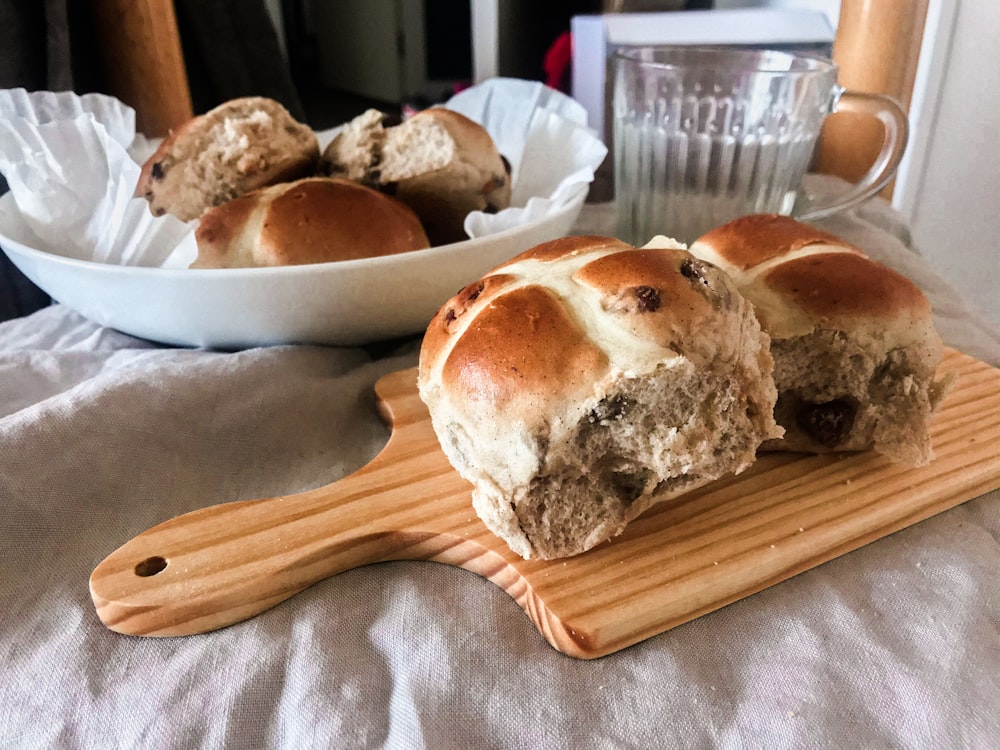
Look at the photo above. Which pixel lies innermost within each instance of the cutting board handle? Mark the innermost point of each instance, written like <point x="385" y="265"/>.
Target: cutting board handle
<point x="222" y="564"/>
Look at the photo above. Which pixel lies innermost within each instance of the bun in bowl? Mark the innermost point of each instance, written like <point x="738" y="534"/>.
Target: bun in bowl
<point x="314" y="220"/>
<point x="439" y="162"/>
<point x="237" y="147"/>
<point x="585" y="380"/>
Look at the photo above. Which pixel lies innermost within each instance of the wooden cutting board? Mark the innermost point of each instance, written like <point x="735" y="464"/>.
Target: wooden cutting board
<point x="219" y="565"/>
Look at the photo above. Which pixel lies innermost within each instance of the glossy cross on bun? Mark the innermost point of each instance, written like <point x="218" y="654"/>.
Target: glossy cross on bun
<point x="585" y="379"/>
<point x="854" y="343"/>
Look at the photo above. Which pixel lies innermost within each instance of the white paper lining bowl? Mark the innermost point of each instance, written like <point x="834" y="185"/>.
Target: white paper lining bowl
<point x="344" y="303"/>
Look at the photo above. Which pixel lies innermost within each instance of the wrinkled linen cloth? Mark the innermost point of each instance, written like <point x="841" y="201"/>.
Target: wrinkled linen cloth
<point x="894" y="645"/>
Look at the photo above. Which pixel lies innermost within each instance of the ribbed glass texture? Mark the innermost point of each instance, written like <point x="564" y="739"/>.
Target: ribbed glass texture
<point x="703" y="135"/>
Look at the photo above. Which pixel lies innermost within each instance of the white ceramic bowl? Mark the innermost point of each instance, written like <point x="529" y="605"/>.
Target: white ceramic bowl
<point x="344" y="303"/>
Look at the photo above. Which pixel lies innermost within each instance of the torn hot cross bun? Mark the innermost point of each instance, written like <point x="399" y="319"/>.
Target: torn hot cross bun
<point x="854" y="344"/>
<point x="239" y="146"/>
<point x="584" y="380"/>
<point x="439" y="162"/>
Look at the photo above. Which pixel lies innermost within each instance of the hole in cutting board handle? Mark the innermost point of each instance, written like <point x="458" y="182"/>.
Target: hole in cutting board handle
<point x="151" y="566"/>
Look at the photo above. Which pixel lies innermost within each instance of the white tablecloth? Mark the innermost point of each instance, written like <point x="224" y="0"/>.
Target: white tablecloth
<point x="895" y="645"/>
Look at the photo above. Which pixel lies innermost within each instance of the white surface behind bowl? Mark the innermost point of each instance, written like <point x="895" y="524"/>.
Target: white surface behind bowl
<point x="344" y="303"/>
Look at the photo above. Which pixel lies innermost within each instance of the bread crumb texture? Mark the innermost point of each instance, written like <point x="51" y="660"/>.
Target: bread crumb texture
<point x="584" y="380"/>
<point x="439" y="162"/>
<point x="239" y="146"/>
<point x="854" y="343"/>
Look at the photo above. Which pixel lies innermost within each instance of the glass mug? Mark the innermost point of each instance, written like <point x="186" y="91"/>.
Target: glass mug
<point x="703" y="135"/>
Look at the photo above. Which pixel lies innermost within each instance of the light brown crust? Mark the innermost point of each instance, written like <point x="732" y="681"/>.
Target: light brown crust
<point x="831" y="285"/>
<point x="838" y="287"/>
<point x="752" y="240"/>
<point x="315" y="220"/>
<point x="566" y="246"/>
<point x="448" y="320"/>
<point x="336" y="220"/>
<point x="523" y="348"/>
<point x="498" y="365"/>
<point x="219" y="230"/>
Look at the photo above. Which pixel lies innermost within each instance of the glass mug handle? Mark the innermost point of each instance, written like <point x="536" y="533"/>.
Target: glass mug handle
<point x="893" y="119"/>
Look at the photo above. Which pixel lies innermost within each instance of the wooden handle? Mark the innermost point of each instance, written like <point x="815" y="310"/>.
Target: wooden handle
<point x="876" y="48"/>
<point x="222" y="564"/>
<point x="143" y="61"/>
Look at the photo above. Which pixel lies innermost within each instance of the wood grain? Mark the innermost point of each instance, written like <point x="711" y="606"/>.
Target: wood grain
<point x="877" y="49"/>
<point x="143" y="61"/>
<point x="682" y="559"/>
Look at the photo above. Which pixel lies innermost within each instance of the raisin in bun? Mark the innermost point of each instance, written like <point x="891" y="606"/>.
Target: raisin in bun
<point x="237" y="147"/>
<point x="313" y="220"/>
<point x="585" y="380"/>
<point x="439" y="162"/>
<point x="854" y="344"/>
